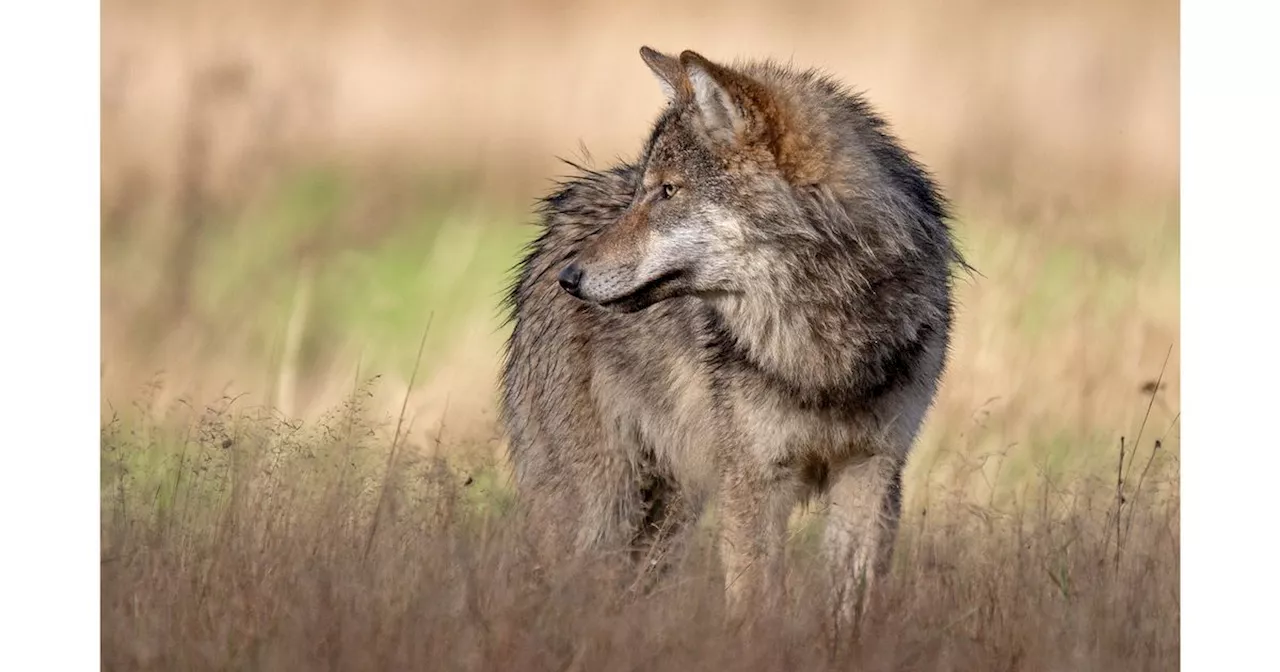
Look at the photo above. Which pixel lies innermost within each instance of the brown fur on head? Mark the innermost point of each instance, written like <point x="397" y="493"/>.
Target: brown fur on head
<point x="717" y="142"/>
<point x="738" y="110"/>
<point x="732" y="110"/>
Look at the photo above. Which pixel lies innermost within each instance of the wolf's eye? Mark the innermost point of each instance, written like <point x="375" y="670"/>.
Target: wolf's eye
<point x="668" y="190"/>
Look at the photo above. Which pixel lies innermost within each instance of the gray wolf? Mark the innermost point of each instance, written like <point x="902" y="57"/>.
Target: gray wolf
<point x="754" y="312"/>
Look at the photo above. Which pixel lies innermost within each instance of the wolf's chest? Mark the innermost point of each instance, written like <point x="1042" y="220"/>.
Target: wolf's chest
<point x="777" y="431"/>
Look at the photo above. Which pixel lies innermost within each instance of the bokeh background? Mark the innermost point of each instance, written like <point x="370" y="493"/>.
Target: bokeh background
<point x="293" y="189"/>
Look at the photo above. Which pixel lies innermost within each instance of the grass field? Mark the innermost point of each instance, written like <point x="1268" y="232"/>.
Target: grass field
<point x="233" y="538"/>
<point x="295" y="193"/>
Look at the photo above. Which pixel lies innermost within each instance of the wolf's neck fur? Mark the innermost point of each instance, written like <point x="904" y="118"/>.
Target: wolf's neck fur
<point x="811" y="346"/>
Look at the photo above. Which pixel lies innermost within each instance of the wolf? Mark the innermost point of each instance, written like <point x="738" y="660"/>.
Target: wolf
<point x="755" y="312"/>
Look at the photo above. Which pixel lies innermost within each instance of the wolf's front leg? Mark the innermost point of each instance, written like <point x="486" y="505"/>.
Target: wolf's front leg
<point x="755" y="501"/>
<point x="866" y="501"/>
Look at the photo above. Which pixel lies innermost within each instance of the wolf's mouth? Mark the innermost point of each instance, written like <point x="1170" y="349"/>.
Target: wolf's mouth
<point x="663" y="287"/>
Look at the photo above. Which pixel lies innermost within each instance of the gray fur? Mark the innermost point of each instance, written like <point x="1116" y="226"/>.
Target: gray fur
<point x="770" y="327"/>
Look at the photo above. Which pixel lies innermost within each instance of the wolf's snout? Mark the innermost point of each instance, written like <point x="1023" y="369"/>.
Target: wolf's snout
<point x="571" y="278"/>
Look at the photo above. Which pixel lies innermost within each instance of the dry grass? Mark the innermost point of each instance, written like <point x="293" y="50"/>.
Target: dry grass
<point x="235" y="540"/>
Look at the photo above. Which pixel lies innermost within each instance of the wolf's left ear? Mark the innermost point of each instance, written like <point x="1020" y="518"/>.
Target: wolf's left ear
<point x="719" y="95"/>
<point x="670" y="75"/>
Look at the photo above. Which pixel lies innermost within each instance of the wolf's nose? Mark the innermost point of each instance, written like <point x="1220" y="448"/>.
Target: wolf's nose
<point x="570" y="277"/>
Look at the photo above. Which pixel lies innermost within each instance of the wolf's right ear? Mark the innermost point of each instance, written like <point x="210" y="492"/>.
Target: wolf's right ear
<point x="671" y="76"/>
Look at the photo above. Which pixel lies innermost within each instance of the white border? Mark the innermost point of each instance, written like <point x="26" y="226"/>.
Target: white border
<point x="49" y="299"/>
<point x="49" y="294"/>
<point x="1230" y="108"/>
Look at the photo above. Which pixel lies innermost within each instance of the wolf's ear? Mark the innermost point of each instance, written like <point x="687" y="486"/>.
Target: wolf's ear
<point x="719" y="95"/>
<point x="675" y="84"/>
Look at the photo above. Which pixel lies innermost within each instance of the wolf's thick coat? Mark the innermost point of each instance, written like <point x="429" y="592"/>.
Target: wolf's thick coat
<point x="757" y="309"/>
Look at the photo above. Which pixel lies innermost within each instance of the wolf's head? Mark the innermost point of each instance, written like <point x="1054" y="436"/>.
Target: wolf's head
<point x="713" y="179"/>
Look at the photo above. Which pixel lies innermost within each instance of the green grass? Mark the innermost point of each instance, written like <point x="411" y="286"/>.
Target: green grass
<point x="374" y="283"/>
<point x="381" y="261"/>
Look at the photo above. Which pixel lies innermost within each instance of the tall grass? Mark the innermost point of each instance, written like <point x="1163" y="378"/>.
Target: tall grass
<point x="236" y="539"/>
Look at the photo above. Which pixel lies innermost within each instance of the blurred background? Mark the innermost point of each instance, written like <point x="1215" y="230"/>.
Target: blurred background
<point x="293" y="189"/>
